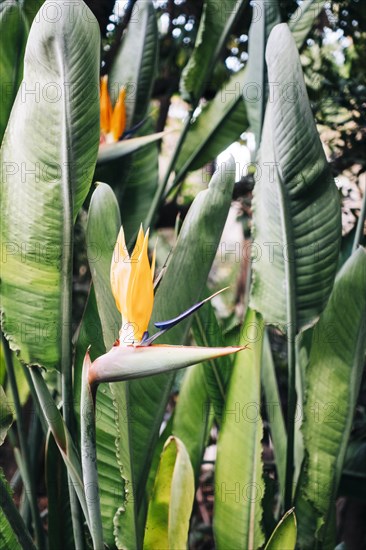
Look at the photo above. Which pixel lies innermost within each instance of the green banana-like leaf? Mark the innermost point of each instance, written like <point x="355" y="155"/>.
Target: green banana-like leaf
<point x="144" y="404"/>
<point x="333" y="379"/>
<point x="193" y="417"/>
<point x="256" y="81"/>
<point x="62" y="436"/>
<point x="125" y="147"/>
<point x="6" y="416"/>
<point x="284" y="536"/>
<point x="208" y="332"/>
<point x="13" y="37"/>
<point x="103" y="225"/>
<point x="111" y="485"/>
<point x="239" y="485"/>
<point x="297" y="220"/>
<point x="225" y="117"/>
<point x="172" y="499"/>
<point x="47" y="162"/>
<point x="303" y="20"/>
<point x="216" y="22"/>
<point x="136" y="62"/>
<point x="220" y="123"/>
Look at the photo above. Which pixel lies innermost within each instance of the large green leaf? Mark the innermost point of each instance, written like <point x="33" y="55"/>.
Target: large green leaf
<point x="333" y="379"/>
<point x="297" y="220"/>
<point x="172" y="499"/>
<point x="192" y="258"/>
<point x="284" y="536"/>
<point x="13" y="37"/>
<point x="136" y="62"/>
<point x="216" y="22"/>
<point x="6" y="416"/>
<point x="102" y="229"/>
<point x="47" y="162"/>
<point x="256" y="85"/>
<point x="239" y="485"/>
<point x="220" y="123"/>
<point x="144" y="401"/>
<point x="224" y="118"/>
<point x="304" y="18"/>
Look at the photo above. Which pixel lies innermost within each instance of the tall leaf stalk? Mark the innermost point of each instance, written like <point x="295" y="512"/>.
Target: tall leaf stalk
<point x="27" y="474"/>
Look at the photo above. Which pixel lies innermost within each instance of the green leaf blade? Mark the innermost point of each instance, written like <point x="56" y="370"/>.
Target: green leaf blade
<point x="172" y="499"/>
<point x="297" y="220"/>
<point x="240" y="488"/>
<point x="47" y="160"/>
<point x="333" y="378"/>
<point x="284" y="536"/>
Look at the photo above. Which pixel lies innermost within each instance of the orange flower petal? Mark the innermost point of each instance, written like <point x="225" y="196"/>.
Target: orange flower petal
<point x="105" y="106"/>
<point x="118" y="122"/>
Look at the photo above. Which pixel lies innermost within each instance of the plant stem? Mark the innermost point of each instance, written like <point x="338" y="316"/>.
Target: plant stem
<point x="291" y="317"/>
<point x="14" y="518"/>
<point x="291" y="410"/>
<point x="150" y="218"/>
<point x="360" y="224"/>
<point x="89" y="457"/>
<point x="28" y="478"/>
<point x="235" y="14"/>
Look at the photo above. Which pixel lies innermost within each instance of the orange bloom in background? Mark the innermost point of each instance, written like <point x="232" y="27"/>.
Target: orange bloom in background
<point x="132" y="286"/>
<point x="112" y="120"/>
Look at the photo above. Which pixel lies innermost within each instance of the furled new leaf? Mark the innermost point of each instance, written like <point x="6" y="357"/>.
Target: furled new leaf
<point x="47" y="162"/>
<point x="297" y="224"/>
<point x="172" y="499"/>
<point x="284" y="536"/>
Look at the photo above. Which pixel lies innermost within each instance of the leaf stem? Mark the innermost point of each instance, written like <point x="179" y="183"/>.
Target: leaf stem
<point x="28" y="478"/>
<point x="291" y="317"/>
<point x="150" y="218"/>
<point x="14" y="518"/>
<point x="62" y="437"/>
<point x="234" y="15"/>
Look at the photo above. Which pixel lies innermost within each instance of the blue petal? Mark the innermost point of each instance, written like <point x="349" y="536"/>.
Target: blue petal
<point x="166" y="325"/>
